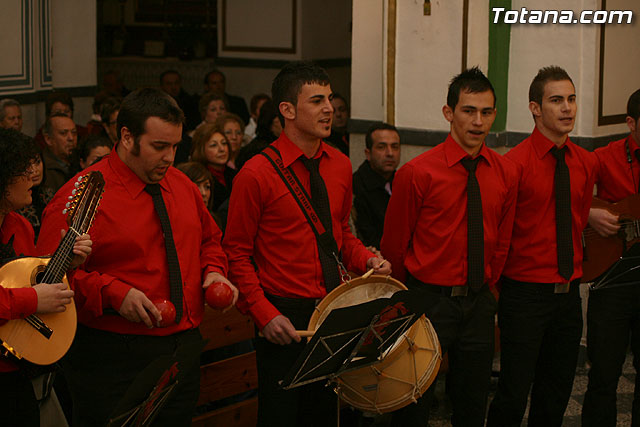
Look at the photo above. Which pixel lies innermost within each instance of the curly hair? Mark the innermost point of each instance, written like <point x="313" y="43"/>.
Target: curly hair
<point x="17" y="153"/>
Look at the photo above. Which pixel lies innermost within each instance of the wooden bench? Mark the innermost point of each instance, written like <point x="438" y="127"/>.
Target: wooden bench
<point x="232" y="376"/>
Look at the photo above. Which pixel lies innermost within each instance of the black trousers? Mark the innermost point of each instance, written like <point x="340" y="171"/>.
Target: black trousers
<point x="309" y="405"/>
<point x="540" y="335"/>
<point x="613" y="319"/>
<point x="18" y="404"/>
<point x="100" y="367"/>
<point x="465" y="329"/>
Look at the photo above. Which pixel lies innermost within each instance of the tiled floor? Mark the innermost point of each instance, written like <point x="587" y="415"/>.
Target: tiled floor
<point x="441" y="415"/>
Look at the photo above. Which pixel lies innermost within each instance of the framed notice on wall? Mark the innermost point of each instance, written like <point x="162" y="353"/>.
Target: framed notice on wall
<point x="619" y="62"/>
<point x="267" y="26"/>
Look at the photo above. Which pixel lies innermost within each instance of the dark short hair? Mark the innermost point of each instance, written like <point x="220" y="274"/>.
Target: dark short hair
<point x="197" y="172"/>
<point x="91" y="142"/>
<point x="206" y="99"/>
<point x="57" y="96"/>
<point x="214" y="71"/>
<point x="167" y="72"/>
<point x="268" y="112"/>
<point x="368" y="140"/>
<point x="108" y="107"/>
<point x="633" y="105"/>
<point x="47" y="129"/>
<point x="255" y="99"/>
<point x="288" y="83"/>
<point x="17" y="153"/>
<point x="471" y="80"/>
<point x="141" y="104"/>
<point x="338" y="96"/>
<point x="551" y="73"/>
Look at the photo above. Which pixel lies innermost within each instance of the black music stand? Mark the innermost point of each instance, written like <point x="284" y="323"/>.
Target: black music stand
<point x="153" y="387"/>
<point x="353" y="337"/>
<point x="625" y="271"/>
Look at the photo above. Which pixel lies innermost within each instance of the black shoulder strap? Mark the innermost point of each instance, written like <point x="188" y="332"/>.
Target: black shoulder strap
<point x="323" y="236"/>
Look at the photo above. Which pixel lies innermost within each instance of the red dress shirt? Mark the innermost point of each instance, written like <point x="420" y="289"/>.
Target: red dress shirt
<point x="533" y="253"/>
<point x="616" y="176"/>
<point x="425" y="228"/>
<point x="266" y="225"/>
<point x="17" y="303"/>
<point x="129" y="250"/>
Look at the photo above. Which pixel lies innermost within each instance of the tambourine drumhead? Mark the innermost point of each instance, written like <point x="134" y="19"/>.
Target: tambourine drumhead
<point x="408" y="367"/>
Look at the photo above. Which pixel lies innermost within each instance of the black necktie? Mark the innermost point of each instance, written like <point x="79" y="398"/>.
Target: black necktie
<point x="637" y="153"/>
<point x="475" y="229"/>
<point x="175" y="278"/>
<point x="563" y="214"/>
<point x="320" y="202"/>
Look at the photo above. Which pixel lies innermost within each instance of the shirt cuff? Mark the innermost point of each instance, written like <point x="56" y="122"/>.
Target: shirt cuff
<point x="263" y="312"/>
<point x="24" y="302"/>
<point x="211" y="269"/>
<point x="113" y="294"/>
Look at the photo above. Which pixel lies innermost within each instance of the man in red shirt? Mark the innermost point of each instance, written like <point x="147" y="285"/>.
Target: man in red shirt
<point x="18" y="403"/>
<point x="267" y="229"/>
<point x="134" y="266"/>
<point x="430" y="236"/>
<point x="540" y="313"/>
<point x="612" y="316"/>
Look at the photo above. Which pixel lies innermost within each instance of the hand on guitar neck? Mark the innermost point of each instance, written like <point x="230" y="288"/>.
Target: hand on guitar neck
<point x="603" y="221"/>
<point x="81" y="249"/>
<point x="52" y="298"/>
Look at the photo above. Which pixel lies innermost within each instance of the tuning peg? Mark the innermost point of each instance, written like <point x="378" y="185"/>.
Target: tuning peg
<point x="64" y="211"/>
<point x="73" y="192"/>
<point x="70" y="198"/>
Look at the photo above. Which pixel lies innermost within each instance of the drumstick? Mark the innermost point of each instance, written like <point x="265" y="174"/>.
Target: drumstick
<point x="370" y="272"/>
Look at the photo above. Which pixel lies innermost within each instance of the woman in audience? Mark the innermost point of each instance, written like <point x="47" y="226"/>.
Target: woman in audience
<point x="40" y="194"/>
<point x="211" y="149"/>
<point x="233" y="129"/>
<point x="211" y="107"/>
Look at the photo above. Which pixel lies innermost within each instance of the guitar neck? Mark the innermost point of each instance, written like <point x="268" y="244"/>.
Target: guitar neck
<point x="61" y="259"/>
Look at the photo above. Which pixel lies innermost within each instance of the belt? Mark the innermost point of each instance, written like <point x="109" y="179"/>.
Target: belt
<point x="556" y="288"/>
<point x="449" y="291"/>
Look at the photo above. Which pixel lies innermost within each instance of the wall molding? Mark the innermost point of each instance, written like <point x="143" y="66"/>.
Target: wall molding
<point x="11" y="83"/>
<point x="41" y="95"/>
<point x="431" y="138"/>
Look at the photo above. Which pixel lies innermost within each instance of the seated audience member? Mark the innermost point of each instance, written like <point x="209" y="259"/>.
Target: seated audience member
<point x="113" y="85"/>
<point x="200" y="175"/>
<point x="41" y="195"/>
<point x="215" y="81"/>
<point x="257" y="101"/>
<point x="109" y="118"/>
<point x="244" y="154"/>
<point x="339" y="137"/>
<point x="10" y="114"/>
<point x="59" y="103"/>
<point x="211" y="148"/>
<point x="18" y="155"/>
<point x="61" y="139"/>
<point x="269" y="126"/>
<point x="211" y="107"/>
<point x="233" y="129"/>
<point x="92" y="150"/>
<point x="372" y="182"/>
<point x="94" y="125"/>
<point x="171" y="83"/>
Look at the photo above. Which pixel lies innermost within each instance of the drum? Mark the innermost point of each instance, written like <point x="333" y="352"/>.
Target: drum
<point x="407" y="368"/>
